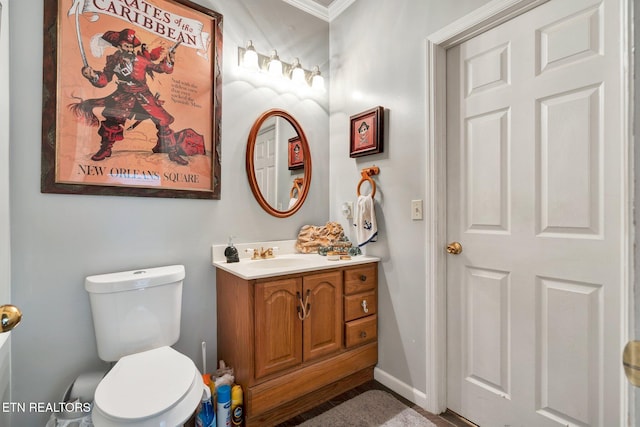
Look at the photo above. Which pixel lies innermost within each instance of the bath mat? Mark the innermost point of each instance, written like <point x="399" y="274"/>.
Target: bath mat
<point x="369" y="409"/>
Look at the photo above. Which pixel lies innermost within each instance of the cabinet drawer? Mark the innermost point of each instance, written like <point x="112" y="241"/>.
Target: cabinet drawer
<point x="361" y="331"/>
<point x="360" y="279"/>
<point x="360" y="305"/>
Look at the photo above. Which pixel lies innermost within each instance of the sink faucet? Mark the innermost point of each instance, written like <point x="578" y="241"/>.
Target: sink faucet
<point x="262" y="253"/>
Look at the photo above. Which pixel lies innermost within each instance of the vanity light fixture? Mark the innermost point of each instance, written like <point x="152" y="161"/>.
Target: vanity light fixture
<point x="251" y="60"/>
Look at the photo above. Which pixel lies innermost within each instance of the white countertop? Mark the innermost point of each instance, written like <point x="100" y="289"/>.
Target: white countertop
<point x="286" y="260"/>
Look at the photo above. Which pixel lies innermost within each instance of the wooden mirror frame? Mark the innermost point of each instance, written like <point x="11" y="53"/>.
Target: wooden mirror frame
<point x="253" y="183"/>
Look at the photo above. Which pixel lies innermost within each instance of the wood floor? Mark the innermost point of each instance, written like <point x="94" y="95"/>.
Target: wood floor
<point x="444" y="420"/>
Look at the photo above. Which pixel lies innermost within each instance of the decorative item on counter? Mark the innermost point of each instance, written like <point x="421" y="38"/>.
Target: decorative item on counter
<point x="333" y="256"/>
<point x="339" y="256"/>
<point x="340" y="250"/>
<point x="312" y="237"/>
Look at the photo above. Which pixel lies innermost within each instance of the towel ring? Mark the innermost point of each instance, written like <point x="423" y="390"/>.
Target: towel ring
<point x="297" y="186"/>
<point x="366" y="174"/>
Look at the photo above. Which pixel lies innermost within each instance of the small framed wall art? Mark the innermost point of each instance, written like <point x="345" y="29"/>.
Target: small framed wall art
<point x="367" y="131"/>
<point x="296" y="153"/>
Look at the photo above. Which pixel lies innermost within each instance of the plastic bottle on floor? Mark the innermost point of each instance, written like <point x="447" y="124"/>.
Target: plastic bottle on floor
<point x="206" y="415"/>
<point x="237" y="408"/>
<point x="224" y="405"/>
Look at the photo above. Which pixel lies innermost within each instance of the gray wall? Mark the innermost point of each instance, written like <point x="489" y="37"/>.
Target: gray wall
<point x="378" y="57"/>
<point x="57" y="240"/>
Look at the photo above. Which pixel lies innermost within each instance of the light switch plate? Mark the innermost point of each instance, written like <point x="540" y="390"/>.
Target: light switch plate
<point x="416" y="210"/>
<point x="347" y="210"/>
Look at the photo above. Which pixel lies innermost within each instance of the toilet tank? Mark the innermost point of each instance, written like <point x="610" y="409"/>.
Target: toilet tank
<point x="136" y="310"/>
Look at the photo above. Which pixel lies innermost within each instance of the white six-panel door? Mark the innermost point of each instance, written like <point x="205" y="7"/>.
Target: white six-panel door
<point x="535" y="197"/>
<point x="265" y="163"/>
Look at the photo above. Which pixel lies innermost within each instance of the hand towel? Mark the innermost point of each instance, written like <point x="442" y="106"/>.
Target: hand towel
<point x="292" y="202"/>
<point x="365" y="220"/>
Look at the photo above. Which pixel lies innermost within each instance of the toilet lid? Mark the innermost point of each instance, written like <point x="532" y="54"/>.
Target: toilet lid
<point x="145" y="384"/>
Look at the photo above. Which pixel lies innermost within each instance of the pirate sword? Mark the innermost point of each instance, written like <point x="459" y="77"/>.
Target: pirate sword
<point x="77" y="6"/>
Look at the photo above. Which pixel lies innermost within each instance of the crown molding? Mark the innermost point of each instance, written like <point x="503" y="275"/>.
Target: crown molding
<point x="311" y="8"/>
<point x="337" y="7"/>
<point x="327" y="14"/>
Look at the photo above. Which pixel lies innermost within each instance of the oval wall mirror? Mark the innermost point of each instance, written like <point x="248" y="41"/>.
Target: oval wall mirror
<point x="278" y="163"/>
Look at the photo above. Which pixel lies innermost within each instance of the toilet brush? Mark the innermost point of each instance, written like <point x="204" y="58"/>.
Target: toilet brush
<point x="204" y="357"/>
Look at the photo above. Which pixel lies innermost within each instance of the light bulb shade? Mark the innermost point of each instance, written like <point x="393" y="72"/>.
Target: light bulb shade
<point x="250" y="60"/>
<point x="297" y="75"/>
<point x="275" y="66"/>
<point x="317" y="81"/>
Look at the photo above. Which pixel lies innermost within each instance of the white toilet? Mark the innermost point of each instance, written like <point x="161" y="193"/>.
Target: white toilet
<point x="136" y="316"/>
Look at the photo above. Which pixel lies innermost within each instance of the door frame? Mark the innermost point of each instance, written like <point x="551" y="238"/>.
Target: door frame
<point x="481" y="20"/>
<point x="5" y="226"/>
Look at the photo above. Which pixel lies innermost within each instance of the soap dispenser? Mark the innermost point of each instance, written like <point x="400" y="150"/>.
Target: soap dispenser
<point x="231" y="252"/>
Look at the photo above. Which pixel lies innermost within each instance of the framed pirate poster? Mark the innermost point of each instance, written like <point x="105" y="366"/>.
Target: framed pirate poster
<point x="132" y="98"/>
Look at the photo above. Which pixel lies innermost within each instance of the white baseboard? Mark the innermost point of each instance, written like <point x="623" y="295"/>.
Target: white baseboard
<point x="403" y="389"/>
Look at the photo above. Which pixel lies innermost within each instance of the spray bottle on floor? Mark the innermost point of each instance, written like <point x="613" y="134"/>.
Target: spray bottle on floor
<point x="237" y="407"/>
<point x="206" y="415"/>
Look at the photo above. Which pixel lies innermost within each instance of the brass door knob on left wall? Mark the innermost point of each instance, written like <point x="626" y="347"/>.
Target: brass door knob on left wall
<point x="631" y="362"/>
<point x="10" y="316"/>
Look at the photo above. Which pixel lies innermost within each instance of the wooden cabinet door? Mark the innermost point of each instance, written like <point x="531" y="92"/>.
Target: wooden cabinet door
<point x="278" y="329"/>
<point x="323" y="326"/>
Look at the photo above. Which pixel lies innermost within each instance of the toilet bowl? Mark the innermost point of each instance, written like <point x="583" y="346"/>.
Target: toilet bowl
<point x="136" y="319"/>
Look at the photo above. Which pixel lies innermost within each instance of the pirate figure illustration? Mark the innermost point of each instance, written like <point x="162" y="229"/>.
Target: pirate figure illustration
<point x="132" y="98"/>
<point x="363" y="133"/>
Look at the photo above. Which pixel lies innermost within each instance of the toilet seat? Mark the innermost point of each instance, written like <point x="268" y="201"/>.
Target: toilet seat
<point x="151" y="388"/>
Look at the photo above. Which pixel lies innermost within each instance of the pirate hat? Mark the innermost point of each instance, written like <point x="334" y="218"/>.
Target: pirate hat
<point x="126" y="35"/>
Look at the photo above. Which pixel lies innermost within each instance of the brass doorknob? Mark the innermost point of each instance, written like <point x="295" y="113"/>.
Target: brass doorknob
<point x="631" y="362"/>
<point x="10" y="316"/>
<point x="454" y="248"/>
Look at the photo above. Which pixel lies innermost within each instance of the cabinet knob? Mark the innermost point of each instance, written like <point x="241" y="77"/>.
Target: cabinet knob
<point x="363" y="334"/>
<point x="363" y="278"/>
<point x="364" y="306"/>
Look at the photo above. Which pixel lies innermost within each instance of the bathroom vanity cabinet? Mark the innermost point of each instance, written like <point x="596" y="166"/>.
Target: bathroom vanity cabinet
<point x="297" y="340"/>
